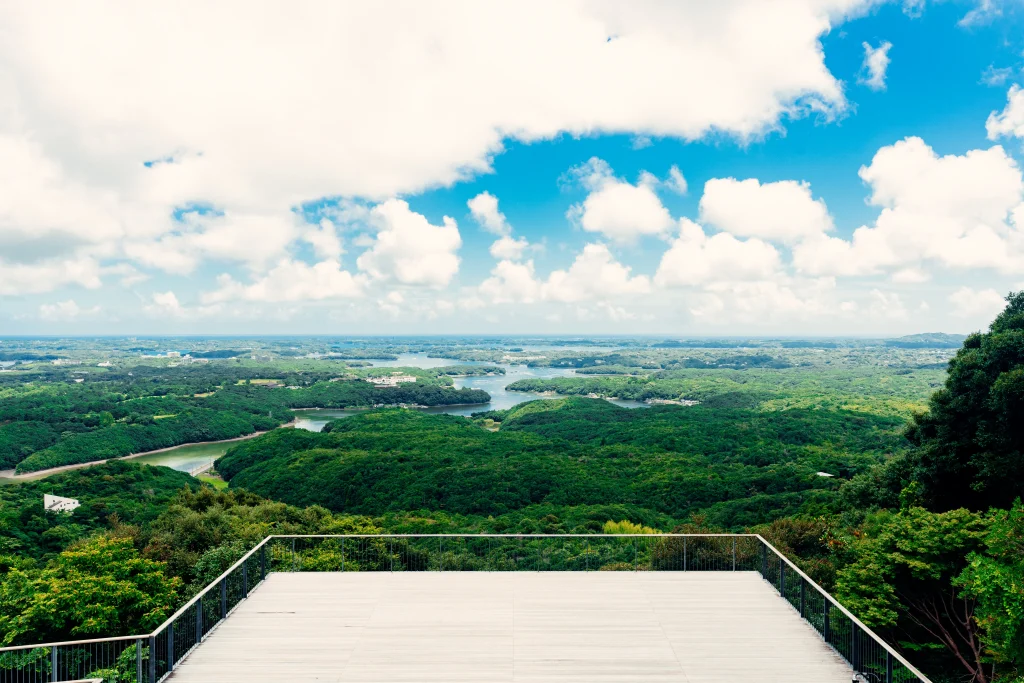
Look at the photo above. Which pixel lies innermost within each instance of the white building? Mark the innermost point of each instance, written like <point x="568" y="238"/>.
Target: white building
<point x="392" y="380"/>
<point x="59" y="503"/>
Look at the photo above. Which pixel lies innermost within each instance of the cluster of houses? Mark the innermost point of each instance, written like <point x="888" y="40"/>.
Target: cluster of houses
<point x="392" y="380"/>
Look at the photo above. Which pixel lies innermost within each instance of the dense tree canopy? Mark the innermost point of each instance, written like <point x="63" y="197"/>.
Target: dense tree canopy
<point x="970" y="443"/>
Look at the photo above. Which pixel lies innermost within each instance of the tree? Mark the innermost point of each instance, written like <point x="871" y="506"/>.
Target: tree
<point x="901" y="579"/>
<point x="995" y="580"/>
<point x="101" y="587"/>
<point x="970" y="443"/>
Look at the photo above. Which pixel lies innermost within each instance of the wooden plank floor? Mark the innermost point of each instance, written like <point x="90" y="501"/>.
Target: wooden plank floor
<point x="596" y="627"/>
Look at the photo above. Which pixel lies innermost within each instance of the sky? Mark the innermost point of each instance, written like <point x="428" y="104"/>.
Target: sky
<point x="684" y="168"/>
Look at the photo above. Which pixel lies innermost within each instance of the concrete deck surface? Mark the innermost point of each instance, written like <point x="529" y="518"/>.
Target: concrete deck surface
<point x="583" y="627"/>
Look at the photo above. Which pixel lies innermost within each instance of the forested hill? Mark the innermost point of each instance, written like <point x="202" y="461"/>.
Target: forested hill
<point x="59" y="424"/>
<point x="741" y="467"/>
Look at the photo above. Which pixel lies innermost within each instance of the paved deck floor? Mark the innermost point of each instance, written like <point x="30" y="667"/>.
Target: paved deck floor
<point x="597" y="627"/>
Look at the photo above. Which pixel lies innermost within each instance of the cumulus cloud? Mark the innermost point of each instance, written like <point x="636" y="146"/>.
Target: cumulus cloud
<point x="1010" y="121"/>
<point x="953" y="211"/>
<point x="696" y="259"/>
<point x="509" y="248"/>
<point x="784" y="211"/>
<point x="484" y="208"/>
<point x="594" y="274"/>
<point x="982" y="304"/>
<point x="123" y="145"/>
<point x="63" y="311"/>
<point x="876" y="62"/>
<point x="48" y="275"/>
<point x="511" y="282"/>
<point x="615" y="208"/>
<point x="408" y="249"/>
<point x="291" y="280"/>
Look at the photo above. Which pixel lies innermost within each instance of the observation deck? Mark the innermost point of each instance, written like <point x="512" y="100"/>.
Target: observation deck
<point x="407" y="608"/>
<point x="678" y="627"/>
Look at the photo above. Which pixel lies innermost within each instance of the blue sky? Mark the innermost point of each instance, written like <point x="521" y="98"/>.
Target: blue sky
<point x="331" y="190"/>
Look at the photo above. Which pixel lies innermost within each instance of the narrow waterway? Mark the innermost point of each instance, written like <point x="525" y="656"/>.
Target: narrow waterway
<point x="315" y="419"/>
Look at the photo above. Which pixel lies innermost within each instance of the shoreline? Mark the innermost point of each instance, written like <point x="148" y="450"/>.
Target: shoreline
<point x="40" y="474"/>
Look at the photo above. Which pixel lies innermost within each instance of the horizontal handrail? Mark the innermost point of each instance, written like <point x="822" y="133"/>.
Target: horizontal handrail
<point x="113" y="639"/>
<point x="513" y="536"/>
<point x="845" y="611"/>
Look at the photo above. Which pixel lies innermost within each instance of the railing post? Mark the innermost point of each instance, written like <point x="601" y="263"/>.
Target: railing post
<point x="636" y="565"/>
<point x="803" y="597"/>
<point x="224" y="598"/>
<point x="54" y="676"/>
<point x="391" y="554"/>
<point x="764" y="561"/>
<point x="684" y="553"/>
<point x="152" y="659"/>
<point x="782" y="578"/>
<point x="138" y="660"/>
<point x="245" y="579"/>
<point x="199" y="620"/>
<point x="825" y="625"/>
<point x="734" y="553"/>
<point x="293" y="554"/>
<point x="888" y="667"/>
<point x="440" y="555"/>
<point x="342" y="553"/>
<point x="170" y="646"/>
<point x="854" y="653"/>
<point x="263" y="562"/>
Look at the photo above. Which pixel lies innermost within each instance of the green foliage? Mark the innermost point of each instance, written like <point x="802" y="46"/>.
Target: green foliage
<point x="994" y="578"/>
<point x="567" y="452"/>
<point x="865" y="389"/>
<point x="131" y="493"/>
<point x="900" y="579"/>
<point x="971" y="441"/>
<point x="627" y="527"/>
<point x="100" y="587"/>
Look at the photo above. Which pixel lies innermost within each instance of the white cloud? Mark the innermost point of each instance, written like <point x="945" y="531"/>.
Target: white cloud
<point x="63" y="311"/>
<point x="695" y="259"/>
<point x="994" y="77"/>
<point x="595" y="274"/>
<point x="45" y="276"/>
<point x="509" y="248"/>
<point x="484" y="208"/>
<point x="886" y="305"/>
<point x="1010" y="121"/>
<point x="783" y="211"/>
<point x="79" y="119"/>
<point x="876" y="62"/>
<point x="165" y="304"/>
<point x="676" y="181"/>
<point x="952" y="211"/>
<point x="616" y="208"/>
<point x="982" y="304"/>
<point x="324" y="240"/>
<point x="409" y="249"/>
<point x="763" y="303"/>
<point x="984" y="12"/>
<point x="511" y="282"/>
<point x="291" y="280"/>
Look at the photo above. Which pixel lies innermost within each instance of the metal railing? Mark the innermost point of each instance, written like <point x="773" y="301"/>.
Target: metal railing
<point x="151" y="657"/>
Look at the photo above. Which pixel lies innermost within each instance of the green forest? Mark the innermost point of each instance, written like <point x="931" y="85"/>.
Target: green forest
<point x="113" y="414"/>
<point x="896" y="485"/>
